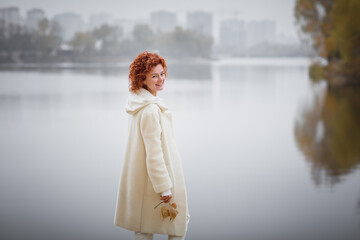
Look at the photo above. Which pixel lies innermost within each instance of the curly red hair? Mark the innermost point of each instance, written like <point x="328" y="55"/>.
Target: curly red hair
<point x="141" y="66"/>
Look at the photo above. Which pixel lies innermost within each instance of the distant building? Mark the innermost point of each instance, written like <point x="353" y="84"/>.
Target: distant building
<point x="163" y="21"/>
<point x="33" y="17"/>
<point x="10" y="15"/>
<point x="201" y="22"/>
<point x="96" y="20"/>
<point x="260" y="32"/>
<point x="233" y="34"/>
<point x="70" y="23"/>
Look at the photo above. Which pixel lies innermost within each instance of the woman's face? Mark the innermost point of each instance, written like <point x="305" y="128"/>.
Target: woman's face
<point x="155" y="79"/>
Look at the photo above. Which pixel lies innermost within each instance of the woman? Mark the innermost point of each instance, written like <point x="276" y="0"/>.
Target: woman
<point x="152" y="170"/>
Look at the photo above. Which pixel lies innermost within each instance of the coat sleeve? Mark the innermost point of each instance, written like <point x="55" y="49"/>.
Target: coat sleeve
<point x="151" y="132"/>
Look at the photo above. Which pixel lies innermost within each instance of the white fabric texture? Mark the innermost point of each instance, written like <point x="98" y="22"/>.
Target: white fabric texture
<point x="166" y="193"/>
<point x="150" y="236"/>
<point x="151" y="166"/>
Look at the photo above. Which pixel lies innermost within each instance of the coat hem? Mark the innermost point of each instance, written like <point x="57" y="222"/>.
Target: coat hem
<point x="139" y="230"/>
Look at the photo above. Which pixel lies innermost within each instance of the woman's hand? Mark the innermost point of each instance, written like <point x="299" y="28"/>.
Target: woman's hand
<point x="166" y="198"/>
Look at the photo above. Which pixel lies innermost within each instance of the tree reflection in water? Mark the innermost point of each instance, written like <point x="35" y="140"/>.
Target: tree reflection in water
<point x="328" y="133"/>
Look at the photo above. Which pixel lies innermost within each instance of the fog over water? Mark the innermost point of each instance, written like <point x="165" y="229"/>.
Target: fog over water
<point x="244" y="129"/>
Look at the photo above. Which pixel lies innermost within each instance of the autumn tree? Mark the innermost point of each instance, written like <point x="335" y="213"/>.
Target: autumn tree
<point x="143" y="38"/>
<point x="47" y="37"/>
<point x="108" y="38"/>
<point x="333" y="27"/>
<point x="83" y="44"/>
<point x="313" y="17"/>
<point x="346" y="35"/>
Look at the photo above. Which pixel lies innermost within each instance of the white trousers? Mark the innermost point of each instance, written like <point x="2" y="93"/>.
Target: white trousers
<point x="150" y="236"/>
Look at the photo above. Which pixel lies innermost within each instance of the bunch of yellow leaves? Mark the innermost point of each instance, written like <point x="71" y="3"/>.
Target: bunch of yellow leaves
<point x="168" y="211"/>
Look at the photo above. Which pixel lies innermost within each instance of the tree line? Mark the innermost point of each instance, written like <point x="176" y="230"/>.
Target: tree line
<point x="178" y="44"/>
<point x="104" y="43"/>
<point x="18" y="43"/>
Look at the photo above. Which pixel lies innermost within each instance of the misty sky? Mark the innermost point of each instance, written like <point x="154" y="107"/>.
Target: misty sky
<point x="279" y="10"/>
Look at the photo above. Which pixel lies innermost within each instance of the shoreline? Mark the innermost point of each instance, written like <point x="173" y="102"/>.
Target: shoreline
<point x="241" y="61"/>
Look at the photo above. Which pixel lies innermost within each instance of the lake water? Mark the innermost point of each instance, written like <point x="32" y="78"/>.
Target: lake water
<point x="267" y="154"/>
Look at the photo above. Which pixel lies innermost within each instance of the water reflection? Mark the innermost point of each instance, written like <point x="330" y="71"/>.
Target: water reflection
<point x="198" y="71"/>
<point x="92" y="69"/>
<point x="190" y="71"/>
<point x="328" y="133"/>
<point x="262" y="74"/>
<point x="63" y="136"/>
<point x="14" y="105"/>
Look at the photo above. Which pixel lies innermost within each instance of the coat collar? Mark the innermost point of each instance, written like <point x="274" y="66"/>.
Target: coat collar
<point x="141" y="99"/>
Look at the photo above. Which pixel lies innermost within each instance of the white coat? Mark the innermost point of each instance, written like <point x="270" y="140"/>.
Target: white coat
<point x="152" y="165"/>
